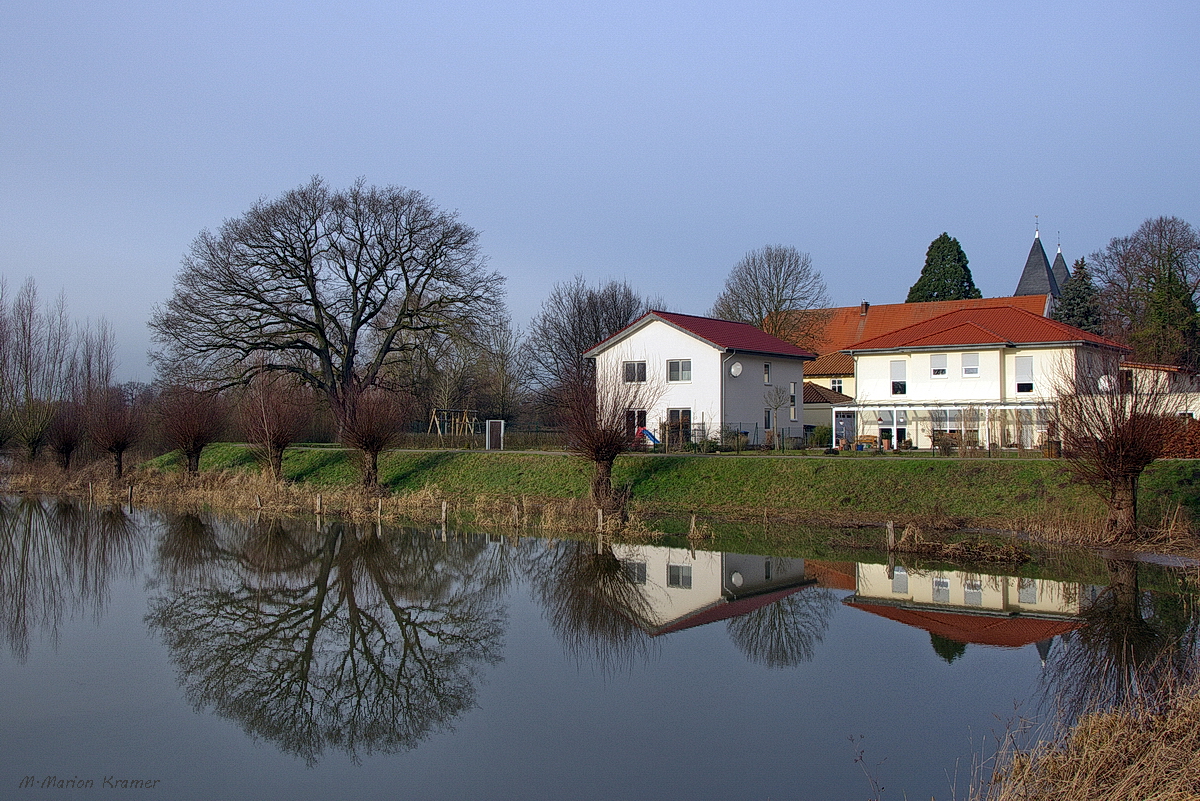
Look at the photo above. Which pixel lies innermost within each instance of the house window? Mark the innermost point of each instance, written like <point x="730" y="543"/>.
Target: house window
<point x="941" y="590"/>
<point x="792" y="400"/>
<point x="679" y="370"/>
<point x="900" y="581"/>
<point x="899" y="374"/>
<point x="970" y="365"/>
<point x="679" y="426"/>
<point x="1027" y="591"/>
<point x="635" y="420"/>
<point x="835" y="384"/>
<point x="767" y="420"/>
<point x="973" y="592"/>
<point x="937" y="365"/>
<point x="1024" y="374"/>
<point x="766" y="372"/>
<point x="635" y="572"/>
<point x="635" y="372"/>
<point x="679" y="576"/>
<point x="767" y="569"/>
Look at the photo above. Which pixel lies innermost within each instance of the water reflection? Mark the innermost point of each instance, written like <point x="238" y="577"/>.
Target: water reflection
<point x="57" y="559"/>
<point x="1133" y="642"/>
<point x="327" y="637"/>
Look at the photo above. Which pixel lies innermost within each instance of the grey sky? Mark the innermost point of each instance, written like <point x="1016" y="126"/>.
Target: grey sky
<point x="655" y="142"/>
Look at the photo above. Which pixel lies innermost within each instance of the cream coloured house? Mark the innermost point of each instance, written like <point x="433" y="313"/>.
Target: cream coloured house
<point x="988" y="375"/>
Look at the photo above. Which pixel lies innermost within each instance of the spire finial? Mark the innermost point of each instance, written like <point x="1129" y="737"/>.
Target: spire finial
<point x="1036" y="233"/>
<point x="1060" y="241"/>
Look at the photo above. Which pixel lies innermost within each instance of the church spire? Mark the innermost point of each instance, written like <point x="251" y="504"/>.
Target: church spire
<point x="1037" y="278"/>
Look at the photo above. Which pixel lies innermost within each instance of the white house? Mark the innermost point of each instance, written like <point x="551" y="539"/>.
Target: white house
<point x="710" y="375"/>
<point x="989" y="375"/>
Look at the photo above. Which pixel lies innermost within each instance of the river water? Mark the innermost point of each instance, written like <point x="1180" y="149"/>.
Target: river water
<point x="155" y="655"/>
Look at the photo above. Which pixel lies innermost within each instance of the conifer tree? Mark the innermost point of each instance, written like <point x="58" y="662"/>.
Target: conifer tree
<point x="1079" y="303"/>
<point x="945" y="275"/>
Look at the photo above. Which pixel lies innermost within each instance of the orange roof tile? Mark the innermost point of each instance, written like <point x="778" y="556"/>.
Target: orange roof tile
<point x="814" y="393"/>
<point x="831" y="364"/>
<point x="850" y="324"/>
<point x="986" y="326"/>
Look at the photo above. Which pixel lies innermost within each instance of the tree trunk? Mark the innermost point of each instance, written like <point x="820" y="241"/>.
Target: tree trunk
<point x="193" y="462"/>
<point x="371" y="469"/>
<point x="603" y="494"/>
<point x="1122" y="508"/>
<point x="275" y="459"/>
<point x="118" y="457"/>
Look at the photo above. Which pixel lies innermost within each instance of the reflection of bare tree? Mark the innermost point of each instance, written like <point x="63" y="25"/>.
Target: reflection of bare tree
<point x="327" y="638"/>
<point x="594" y="604"/>
<point x="1133" y="645"/>
<point x="784" y="633"/>
<point x="57" y="558"/>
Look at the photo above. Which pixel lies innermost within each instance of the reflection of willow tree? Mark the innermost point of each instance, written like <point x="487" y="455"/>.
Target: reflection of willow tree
<point x="784" y="633"/>
<point x="594" y="604"/>
<point x="323" y="638"/>
<point x="57" y="557"/>
<point x="1132" y="645"/>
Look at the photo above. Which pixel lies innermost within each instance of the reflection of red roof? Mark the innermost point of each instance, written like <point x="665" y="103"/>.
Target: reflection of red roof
<point x="834" y="575"/>
<point x="995" y="326"/>
<point x="1009" y="631"/>
<point x="723" y="334"/>
<point x="724" y="609"/>
<point x="850" y="324"/>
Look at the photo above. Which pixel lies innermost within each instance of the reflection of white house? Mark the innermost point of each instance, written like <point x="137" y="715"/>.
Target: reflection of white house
<point x="713" y="374"/>
<point x="970" y="607"/>
<point x="685" y="588"/>
<point x="988" y="374"/>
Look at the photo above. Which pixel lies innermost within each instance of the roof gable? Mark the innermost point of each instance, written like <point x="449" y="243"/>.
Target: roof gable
<point x="815" y="393"/>
<point x="721" y="334"/>
<point x="1005" y="325"/>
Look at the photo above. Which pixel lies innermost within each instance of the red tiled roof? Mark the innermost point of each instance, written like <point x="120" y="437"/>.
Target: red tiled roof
<point x="988" y="326"/>
<point x="848" y="324"/>
<point x="725" y="609"/>
<point x="815" y="393"/>
<point x="831" y="364"/>
<point x="1002" y="629"/>
<point x="723" y="334"/>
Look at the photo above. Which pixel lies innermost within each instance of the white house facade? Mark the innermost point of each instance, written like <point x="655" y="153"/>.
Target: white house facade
<point x="989" y="376"/>
<point x="706" y="376"/>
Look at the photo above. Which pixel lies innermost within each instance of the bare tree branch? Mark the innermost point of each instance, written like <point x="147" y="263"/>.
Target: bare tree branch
<point x="776" y="288"/>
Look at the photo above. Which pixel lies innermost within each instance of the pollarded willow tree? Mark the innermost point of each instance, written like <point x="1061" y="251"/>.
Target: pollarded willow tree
<point x="336" y="287"/>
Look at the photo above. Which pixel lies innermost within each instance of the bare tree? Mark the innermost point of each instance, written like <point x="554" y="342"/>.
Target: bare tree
<point x="373" y="422"/>
<point x="273" y="412"/>
<point x="1113" y="424"/>
<point x="41" y="351"/>
<point x="190" y="420"/>
<point x="776" y="288"/>
<point x="66" y="432"/>
<point x="337" y="288"/>
<point x="597" y="413"/>
<point x="116" y="421"/>
<point x="574" y="318"/>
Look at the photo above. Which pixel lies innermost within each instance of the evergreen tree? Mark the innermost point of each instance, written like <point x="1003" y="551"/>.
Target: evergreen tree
<point x="1079" y="303"/>
<point x="1169" y="334"/>
<point x="945" y="275"/>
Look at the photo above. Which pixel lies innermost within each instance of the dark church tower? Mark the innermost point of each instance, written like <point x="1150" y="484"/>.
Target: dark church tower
<point x="1037" y="277"/>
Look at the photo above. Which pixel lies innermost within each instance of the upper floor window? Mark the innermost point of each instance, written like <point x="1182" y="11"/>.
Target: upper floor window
<point x="1024" y="373"/>
<point x="766" y="372"/>
<point x="899" y="377"/>
<point x="835" y="384"/>
<point x="635" y="372"/>
<point x="970" y="365"/>
<point x="937" y="365"/>
<point x="679" y="370"/>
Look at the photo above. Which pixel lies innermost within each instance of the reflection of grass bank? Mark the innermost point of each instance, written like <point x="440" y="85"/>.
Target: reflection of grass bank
<point x="786" y="494"/>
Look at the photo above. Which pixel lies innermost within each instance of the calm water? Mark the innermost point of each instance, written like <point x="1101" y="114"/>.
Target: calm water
<point x="260" y="659"/>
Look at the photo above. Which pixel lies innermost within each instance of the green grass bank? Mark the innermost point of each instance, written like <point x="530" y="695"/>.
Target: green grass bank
<point x="975" y="492"/>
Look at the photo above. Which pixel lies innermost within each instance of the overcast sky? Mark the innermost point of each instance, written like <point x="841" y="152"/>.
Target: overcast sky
<point x="652" y="142"/>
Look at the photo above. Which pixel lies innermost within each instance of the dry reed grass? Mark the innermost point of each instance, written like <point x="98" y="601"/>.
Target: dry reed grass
<point x="242" y="491"/>
<point x="1173" y="534"/>
<point x="1144" y="751"/>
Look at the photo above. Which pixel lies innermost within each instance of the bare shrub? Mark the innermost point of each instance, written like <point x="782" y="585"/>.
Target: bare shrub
<point x="273" y="411"/>
<point x="66" y="433"/>
<point x="116" y="421"/>
<point x="371" y="420"/>
<point x="190" y="419"/>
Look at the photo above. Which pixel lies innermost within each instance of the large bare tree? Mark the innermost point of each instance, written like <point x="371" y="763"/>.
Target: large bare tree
<point x="776" y="288"/>
<point x="337" y="288"/>
<point x="1113" y="424"/>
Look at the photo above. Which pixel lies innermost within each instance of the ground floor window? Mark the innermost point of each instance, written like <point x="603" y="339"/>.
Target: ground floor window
<point x="679" y="576"/>
<point x="679" y="426"/>
<point x="635" y="419"/>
